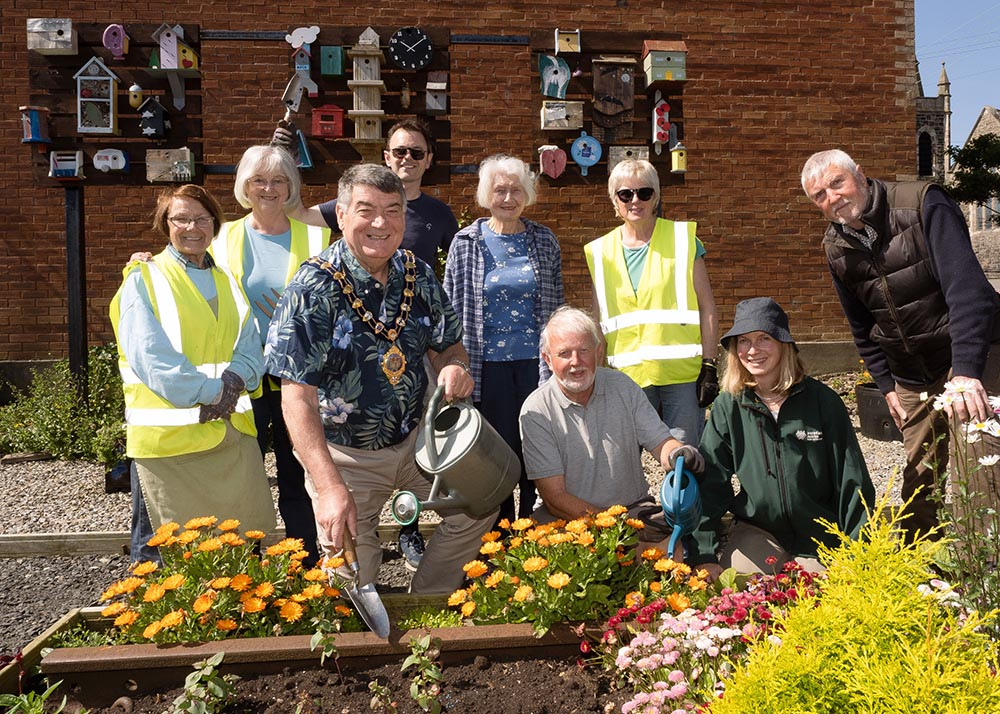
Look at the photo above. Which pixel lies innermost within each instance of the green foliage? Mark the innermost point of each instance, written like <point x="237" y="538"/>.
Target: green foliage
<point x="51" y="417"/>
<point x="382" y="700"/>
<point x="31" y="702"/>
<point x="425" y="687"/>
<point x="83" y="635"/>
<point x="206" y="690"/>
<point x="977" y="172"/>
<point x="426" y="618"/>
<point x="877" y="639"/>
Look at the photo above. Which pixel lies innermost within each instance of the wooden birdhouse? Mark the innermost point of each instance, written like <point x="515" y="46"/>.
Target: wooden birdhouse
<point x="678" y="159"/>
<point x="328" y="121"/>
<point x="96" y="99"/>
<point x="562" y="115"/>
<point x="664" y="61"/>
<point x="115" y="40"/>
<point x="170" y="165"/>
<point x="555" y="76"/>
<point x="34" y="125"/>
<point x="331" y="60"/>
<point x="567" y="41"/>
<point x="617" y="154"/>
<point x="173" y="58"/>
<point x="153" y="119"/>
<point x="614" y="98"/>
<point x="302" y="58"/>
<point x="551" y="160"/>
<point x="51" y="36"/>
<point x="437" y="93"/>
<point x="66" y="165"/>
<point x="168" y="40"/>
<point x="367" y="87"/>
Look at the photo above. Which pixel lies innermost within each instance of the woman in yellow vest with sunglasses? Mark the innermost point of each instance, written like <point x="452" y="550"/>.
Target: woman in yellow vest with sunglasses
<point x="188" y="353"/>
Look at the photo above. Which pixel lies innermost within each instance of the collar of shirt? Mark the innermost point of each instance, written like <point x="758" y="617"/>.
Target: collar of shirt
<point x="186" y="262"/>
<point x="565" y="402"/>
<point x="867" y="238"/>
<point x="342" y="258"/>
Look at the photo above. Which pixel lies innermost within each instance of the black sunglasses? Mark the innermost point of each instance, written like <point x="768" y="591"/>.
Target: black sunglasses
<point x="400" y="152"/>
<point x="625" y="194"/>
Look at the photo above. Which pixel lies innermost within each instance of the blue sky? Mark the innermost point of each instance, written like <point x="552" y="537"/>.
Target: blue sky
<point x="965" y="35"/>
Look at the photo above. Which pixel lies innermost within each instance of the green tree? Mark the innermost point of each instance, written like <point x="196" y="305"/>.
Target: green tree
<point x="977" y="172"/>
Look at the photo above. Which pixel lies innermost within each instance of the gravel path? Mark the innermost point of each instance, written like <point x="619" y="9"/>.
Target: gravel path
<point x="69" y="497"/>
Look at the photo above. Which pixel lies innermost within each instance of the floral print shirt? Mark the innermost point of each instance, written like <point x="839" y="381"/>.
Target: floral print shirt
<point x="317" y="338"/>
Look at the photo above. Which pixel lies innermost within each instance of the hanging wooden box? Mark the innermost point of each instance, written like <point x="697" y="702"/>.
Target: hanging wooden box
<point x="664" y="60"/>
<point x="367" y="95"/>
<point x="51" y="36"/>
<point x="562" y="115"/>
<point x="331" y="60"/>
<point x="328" y="121"/>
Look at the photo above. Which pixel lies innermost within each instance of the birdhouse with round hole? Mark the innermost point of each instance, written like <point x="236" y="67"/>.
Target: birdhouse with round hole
<point x="664" y="61"/>
<point x="96" y="99"/>
<point x="678" y="159"/>
<point x="367" y="87"/>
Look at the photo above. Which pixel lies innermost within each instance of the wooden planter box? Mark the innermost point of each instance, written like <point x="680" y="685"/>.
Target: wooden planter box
<point x="98" y="676"/>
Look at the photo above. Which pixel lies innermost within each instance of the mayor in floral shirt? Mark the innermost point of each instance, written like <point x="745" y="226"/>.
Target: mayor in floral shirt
<point x="348" y="340"/>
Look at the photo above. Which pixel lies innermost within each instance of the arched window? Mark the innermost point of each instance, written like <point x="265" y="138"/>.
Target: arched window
<point x="925" y="155"/>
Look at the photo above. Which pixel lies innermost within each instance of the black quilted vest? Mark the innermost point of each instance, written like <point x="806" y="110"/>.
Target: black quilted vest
<point x="896" y="281"/>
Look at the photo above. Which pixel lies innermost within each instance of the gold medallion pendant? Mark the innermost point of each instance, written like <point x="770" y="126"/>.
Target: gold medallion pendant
<point x="393" y="364"/>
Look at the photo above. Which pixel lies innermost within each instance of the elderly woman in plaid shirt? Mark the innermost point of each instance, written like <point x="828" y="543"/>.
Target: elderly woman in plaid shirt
<point x="504" y="279"/>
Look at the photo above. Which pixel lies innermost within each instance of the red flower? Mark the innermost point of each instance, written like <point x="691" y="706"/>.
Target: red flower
<point x="585" y="647"/>
<point x="770" y="560"/>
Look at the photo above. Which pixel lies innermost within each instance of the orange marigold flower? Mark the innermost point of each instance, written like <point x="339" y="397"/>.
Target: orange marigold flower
<point x="202" y="522"/>
<point x="490" y="537"/>
<point x="313" y="591"/>
<point x="230" y="524"/>
<point x="291" y="611"/>
<point x="534" y="564"/>
<point x="220" y="583"/>
<point x="475" y="568"/>
<point x="604" y="521"/>
<point x="514" y="580"/>
<point x="300" y="555"/>
<point x="294" y="567"/>
<point x="265" y="589"/>
<point x="635" y="523"/>
<point x="515" y="542"/>
<point x="343" y="610"/>
<point x="188" y="537"/>
<point x="678" y="602"/>
<point x="626" y="563"/>
<point x="494" y="579"/>
<point x="634" y="599"/>
<point x="556" y="524"/>
<point x="253" y="604"/>
<point x="544" y="541"/>
<point x="504" y="523"/>
<point x="173" y="582"/>
<point x="154" y="593"/>
<point x="255" y="535"/>
<point x="208" y="545"/>
<point x="702" y="573"/>
<point x="468" y="608"/>
<point x="457" y="597"/>
<point x="333" y="563"/>
<point x="145" y="568"/>
<point x="655" y="586"/>
<point x="168" y="528"/>
<point x="226" y="625"/>
<point x="330" y="592"/>
<point x="491" y="547"/>
<point x="652" y="554"/>
<point x="314" y="575"/>
<point x="172" y="619"/>
<point x="188" y="555"/>
<point x="203" y="603"/>
<point x="157" y="540"/>
<point x="122" y="587"/>
<point x="115" y="608"/>
<point x="585" y="538"/>
<point x="286" y="545"/>
<point x="616" y="510"/>
<point x="664" y="565"/>
<point x="521" y="524"/>
<point x="696" y="583"/>
<point x="299" y="597"/>
<point x="524" y="593"/>
<point x="126" y="618"/>
<point x="683" y="569"/>
<point x="152" y="629"/>
<point x="558" y="580"/>
<point x="240" y="582"/>
<point x="231" y="539"/>
<point x="578" y="525"/>
<point x="557" y="538"/>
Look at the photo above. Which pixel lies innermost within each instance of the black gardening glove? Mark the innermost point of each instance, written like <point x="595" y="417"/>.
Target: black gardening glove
<point x="232" y="387"/>
<point x="707" y="385"/>
<point x="286" y="136"/>
<point x="208" y="412"/>
<point x="693" y="460"/>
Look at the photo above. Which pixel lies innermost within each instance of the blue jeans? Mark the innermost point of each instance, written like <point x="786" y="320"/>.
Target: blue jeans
<point x="142" y="527"/>
<point x="677" y="405"/>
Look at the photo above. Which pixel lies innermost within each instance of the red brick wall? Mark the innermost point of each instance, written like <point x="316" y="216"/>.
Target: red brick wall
<point x="769" y="83"/>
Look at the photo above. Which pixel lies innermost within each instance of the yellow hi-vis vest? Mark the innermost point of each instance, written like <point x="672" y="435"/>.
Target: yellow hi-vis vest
<point x="227" y="248"/>
<point x="155" y="428"/>
<point x="653" y="333"/>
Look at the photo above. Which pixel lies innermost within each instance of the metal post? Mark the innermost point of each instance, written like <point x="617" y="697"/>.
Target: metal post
<point x="76" y="286"/>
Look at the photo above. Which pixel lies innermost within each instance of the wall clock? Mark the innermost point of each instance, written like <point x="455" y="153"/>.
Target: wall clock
<point x="410" y="48"/>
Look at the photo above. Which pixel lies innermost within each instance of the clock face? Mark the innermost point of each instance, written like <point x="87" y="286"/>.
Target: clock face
<point x="410" y="48"/>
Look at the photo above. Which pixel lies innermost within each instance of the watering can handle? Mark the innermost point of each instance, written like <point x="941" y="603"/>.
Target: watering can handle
<point x="675" y="491"/>
<point x="432" y="410"/>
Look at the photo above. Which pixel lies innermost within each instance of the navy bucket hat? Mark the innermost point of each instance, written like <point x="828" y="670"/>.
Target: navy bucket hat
<point x="760" y="314"/>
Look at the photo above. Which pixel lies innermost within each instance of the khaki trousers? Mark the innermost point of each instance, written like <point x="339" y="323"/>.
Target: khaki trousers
<point x="373" y="477"/>
<point x="749" y="547"/>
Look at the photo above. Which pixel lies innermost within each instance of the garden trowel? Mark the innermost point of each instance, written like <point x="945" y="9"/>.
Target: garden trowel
<point x="365" y="597"/>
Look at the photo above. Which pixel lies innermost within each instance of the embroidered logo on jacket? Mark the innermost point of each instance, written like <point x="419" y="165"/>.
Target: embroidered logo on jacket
<point x="808" y="435"/>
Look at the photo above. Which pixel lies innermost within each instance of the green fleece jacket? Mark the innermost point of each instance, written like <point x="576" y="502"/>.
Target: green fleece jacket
<point x="804" y="466"/>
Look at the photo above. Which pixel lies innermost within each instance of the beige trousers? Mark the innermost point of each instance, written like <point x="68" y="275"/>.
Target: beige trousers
<point x="749" y="547"/>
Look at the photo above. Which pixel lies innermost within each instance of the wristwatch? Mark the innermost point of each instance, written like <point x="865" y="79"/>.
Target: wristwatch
<point x="461" y="364"/>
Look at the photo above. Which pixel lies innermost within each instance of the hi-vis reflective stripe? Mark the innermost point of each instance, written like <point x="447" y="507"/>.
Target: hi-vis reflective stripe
<point x="174" y="417"/>
<point x="650" y="317"/>
<point x="315" y="240"/>
<point x="220" y="251"/>
<point x="682" y="313"/>
<point x="654" y="352"/>
<point x="166" y="306"/>
<point x="213" y="371"/>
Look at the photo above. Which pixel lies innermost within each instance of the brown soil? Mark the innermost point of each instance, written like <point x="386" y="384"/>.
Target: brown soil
<point x="484" y="686"/>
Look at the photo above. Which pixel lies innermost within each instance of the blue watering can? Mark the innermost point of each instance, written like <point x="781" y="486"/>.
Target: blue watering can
<point x="681" y="503"/>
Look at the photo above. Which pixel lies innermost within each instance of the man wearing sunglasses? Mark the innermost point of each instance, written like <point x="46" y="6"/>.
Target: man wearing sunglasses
<point x="430" y="223"/>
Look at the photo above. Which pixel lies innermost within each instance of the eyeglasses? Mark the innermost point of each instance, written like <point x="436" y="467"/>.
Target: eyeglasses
<point x="625" y="194"/>
<point x="185" y="221"/>
<point x="276" y="182"/>
<point x="400" y="152"/>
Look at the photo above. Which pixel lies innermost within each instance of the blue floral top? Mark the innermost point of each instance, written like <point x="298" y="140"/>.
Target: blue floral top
<point x="316" y="338"/>
<point x="509" y="294"/>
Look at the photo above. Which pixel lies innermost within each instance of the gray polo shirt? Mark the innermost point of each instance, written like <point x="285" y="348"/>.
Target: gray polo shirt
<point x="596" y="447"/>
